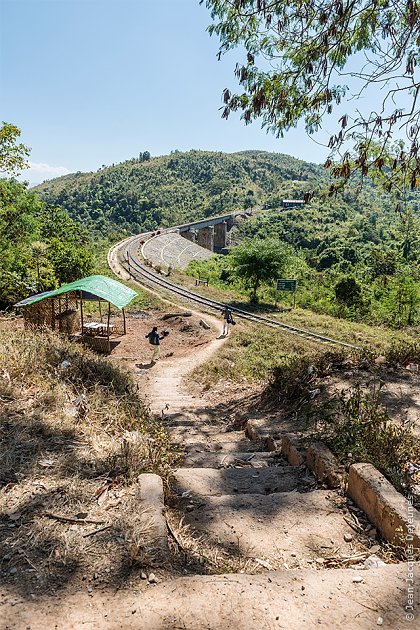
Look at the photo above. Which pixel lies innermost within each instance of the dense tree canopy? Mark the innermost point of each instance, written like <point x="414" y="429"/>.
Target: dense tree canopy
<point x="41" y="247"/>
<point x="305" y="59"/>
<point x="139" y="195"/>
<point x="12" y="154"/>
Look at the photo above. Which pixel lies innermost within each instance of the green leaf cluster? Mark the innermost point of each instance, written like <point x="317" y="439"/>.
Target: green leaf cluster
<point x="42" y="247"/>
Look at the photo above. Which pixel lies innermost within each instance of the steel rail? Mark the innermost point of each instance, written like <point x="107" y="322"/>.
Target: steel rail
<point x="132" y="264"/>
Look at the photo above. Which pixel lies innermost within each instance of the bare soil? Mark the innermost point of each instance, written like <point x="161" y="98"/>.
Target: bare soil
<point x="113" y="591"/>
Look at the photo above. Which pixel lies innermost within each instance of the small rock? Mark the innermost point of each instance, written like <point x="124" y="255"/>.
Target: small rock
<point x="372" y="533"/>
<point x="143" y="575"/>
<point x="13" y="571"/>
<point x="153" y="579"/>
<point x="373" y="562"/>
<point x="319" y="560"/>
<point x="314" y="392"/>
<point x="381" y="360"/>
<point x="348" y="537"/>
<point x="379" y="621"/>
<point x="357" y="579"/>
<point x="190" y="508"/>
<point x="89" y="589"/>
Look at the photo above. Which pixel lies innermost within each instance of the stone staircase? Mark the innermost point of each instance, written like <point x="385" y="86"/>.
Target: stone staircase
<point x="240" y="496"/>
<point x="274" y="547"/>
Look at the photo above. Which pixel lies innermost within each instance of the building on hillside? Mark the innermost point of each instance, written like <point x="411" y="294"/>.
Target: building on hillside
<point x="292" y="203"/>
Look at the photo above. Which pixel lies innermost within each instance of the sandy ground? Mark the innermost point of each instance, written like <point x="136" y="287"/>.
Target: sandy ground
<point x="284" y="599"/>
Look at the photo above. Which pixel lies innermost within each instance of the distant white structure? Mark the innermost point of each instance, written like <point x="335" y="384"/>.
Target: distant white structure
<point x="292" y="203"/>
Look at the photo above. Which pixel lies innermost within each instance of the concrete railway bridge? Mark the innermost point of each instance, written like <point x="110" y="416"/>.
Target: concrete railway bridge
<point x="197" y="240"/>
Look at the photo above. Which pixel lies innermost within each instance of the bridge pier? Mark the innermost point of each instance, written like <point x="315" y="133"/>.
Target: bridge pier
<point x="190" y="235"/>
<point x="209" y="233"/>
<point x="220" y="232"/>
<point x="205" y="237"/>
<point x="230" y="222"/>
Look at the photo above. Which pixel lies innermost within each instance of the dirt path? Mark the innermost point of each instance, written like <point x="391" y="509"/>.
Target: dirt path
<point x="166" y="389"/>
<point x="290" y="598"/>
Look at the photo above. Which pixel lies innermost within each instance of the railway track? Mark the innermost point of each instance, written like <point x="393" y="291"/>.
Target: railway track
<point x="128" y="257"/>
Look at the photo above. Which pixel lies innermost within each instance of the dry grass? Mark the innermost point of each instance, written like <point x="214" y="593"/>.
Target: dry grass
<point x="201" y="554"/>
<point x="253" y="352"/>
<point x="74" y="436"/>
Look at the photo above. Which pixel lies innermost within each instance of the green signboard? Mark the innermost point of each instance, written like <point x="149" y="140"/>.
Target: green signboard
<point x="286" y="285"/>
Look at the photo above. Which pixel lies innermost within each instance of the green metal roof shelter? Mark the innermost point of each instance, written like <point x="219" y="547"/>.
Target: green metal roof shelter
<point x="61" y="305"/>
<point x="101" y="287"/>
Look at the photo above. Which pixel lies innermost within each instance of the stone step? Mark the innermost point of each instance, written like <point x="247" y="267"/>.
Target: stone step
<point x="216" y="482"/>
<point x="197" y="443"/>
<point x="299" y="529"/>
<point x="235" y="601"/>
<point x="180" y="421"/>
<point x="212" y="436"/>
<point x="225" y="460"/>
<point x="257" y="428"/>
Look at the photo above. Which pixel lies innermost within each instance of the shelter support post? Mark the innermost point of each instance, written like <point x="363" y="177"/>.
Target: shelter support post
<point x="107" y="326"/>
<point x="81" y="314"/>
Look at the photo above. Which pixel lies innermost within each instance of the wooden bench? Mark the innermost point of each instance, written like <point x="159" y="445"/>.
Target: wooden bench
<point x="202" y="281"/>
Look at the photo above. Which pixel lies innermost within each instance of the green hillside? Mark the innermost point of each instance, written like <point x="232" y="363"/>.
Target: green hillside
<point x="144" y="193"/>
<point x="354" y="256"/>
<point x="41" y="247"/>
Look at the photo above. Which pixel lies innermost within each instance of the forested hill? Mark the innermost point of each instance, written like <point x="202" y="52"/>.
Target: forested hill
<point x="147" y="192"/>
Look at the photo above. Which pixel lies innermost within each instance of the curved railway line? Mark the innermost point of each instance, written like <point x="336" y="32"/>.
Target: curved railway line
<point x="127" y="251"/>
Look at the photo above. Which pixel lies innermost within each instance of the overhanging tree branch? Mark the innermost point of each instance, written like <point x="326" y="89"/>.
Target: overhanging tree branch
<point x="297" y="54"/>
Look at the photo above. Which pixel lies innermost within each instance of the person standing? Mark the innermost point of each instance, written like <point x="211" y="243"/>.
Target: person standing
<point x="227" y="320"/>
<point x="154" y="340"/>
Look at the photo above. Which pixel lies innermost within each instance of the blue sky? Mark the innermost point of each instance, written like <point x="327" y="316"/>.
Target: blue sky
<point x="93" y="82"/>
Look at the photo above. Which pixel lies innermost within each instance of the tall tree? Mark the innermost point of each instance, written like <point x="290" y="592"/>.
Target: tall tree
<point x="12" y="154"/>
<point x="302" y="56"/>
<point x="256" y="261"/>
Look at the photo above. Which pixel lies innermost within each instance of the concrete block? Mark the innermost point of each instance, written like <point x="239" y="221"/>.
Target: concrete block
<point x="271" y="444"/>
<point x="251" y="431"/>
<point x="151" y="497"/>
<point x="324" y="465"/>
<point x="394" y="516"/>
<point x="290" y="449"/>
<point x="260" y="429"/>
